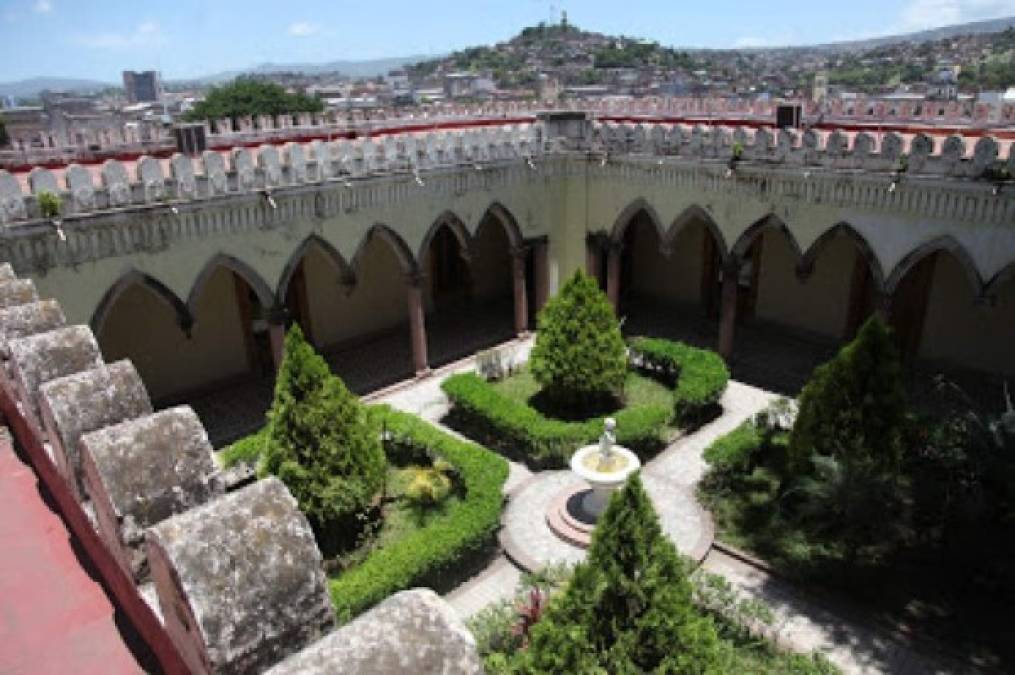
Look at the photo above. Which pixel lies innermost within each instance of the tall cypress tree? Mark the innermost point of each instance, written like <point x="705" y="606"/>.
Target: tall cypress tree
<point x="855" y="403"/>
<point x="579" y="356"/>
<point x="321" y="443"/>
<point x="628" y="607"/>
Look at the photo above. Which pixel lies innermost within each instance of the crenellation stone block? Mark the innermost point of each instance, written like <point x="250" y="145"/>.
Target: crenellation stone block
<point x="140" y="472"/>
<point x="413" y="631"/>
<point x="77" y="404"/>
<point x="37" y="359"/>
<point x="17" y="292"/>
<point x="240" y="580"/>
<point x="30" y="319"/>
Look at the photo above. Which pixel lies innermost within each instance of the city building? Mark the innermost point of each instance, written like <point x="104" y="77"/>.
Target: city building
<point x="141" y="86"/>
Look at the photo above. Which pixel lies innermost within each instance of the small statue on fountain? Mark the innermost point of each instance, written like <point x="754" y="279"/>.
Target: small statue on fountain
<point x="607" y="440"/>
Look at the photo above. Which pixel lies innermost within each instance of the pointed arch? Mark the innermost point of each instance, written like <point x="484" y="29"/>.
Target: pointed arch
<point x="452" y="222"/>
<point x="770" y="222"/>
<point x="627" y="216"/>
<point x="132" y="277"/>
<point x="806" y="266"/>
<point x="346" y="274"/>
<point x="398" y="246"/>
<point x="236" y="266"/>
<point x="498" y="212"/>
<point x="688" y="217"/>
<point x="946" y="243"/>
<point x="1006" y="274"/>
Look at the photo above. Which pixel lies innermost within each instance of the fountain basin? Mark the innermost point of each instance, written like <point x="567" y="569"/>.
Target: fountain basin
<point x="603" y="479"/>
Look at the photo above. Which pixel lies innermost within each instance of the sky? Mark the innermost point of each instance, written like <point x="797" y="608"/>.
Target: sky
<point x="189" y="38"/>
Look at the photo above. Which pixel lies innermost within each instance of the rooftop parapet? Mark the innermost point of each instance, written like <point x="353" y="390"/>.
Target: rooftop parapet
<point x="142" y="471"/>
<point x="74" y="405"/>
<point x="410" y="632"/>
<point x="240" y="580"/>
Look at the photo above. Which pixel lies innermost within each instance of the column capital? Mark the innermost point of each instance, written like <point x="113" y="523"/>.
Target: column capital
<point x="414" y="278"/>
<point x="277" y="315"/>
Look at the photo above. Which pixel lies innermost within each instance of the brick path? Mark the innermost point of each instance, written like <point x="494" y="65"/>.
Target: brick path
<point x="54" y="617"/>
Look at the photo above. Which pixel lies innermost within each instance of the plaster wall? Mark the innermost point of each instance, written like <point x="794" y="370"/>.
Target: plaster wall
<point x="143" y="328"/>
<point x="959" y="330"/>
<point x="818" y="304"/>
<point x="376" y="302"/>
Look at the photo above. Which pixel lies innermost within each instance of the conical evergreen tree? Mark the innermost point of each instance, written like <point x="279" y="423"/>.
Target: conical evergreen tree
<point x="628" y="607"/>
<point x="321" y="443"/>
<point x="854" y="403"/>
<point x="579" y="356"/>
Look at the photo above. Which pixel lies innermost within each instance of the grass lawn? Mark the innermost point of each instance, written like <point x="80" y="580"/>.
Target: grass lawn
<point x="639" y="390"/>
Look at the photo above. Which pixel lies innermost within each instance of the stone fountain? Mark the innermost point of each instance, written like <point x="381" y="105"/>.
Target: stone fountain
<point x="605" y="467"/>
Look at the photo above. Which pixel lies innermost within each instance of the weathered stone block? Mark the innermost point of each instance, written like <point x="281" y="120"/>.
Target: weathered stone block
<point x="16" y="292"/>
<point x="37" y="359"/>
<point x="410" y="632"/>
<point x="140" y="472"/>
<point x="24" y="320"/>
<point x="77" y="404"/>
<point x="240" y="581"/>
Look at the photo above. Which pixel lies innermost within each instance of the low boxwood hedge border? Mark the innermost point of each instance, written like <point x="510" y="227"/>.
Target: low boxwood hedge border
<point x="700" y="375"/>
<point x="519" y="431"/>
<point x="430" y="555"/>
<point x="465" y="530"/>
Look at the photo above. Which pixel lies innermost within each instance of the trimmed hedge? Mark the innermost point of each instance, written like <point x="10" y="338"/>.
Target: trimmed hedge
<point x="519" y="431"/>
<point x="733" y="451"/>
<point x="464" y="530"/>
<point x="701" y="375"/>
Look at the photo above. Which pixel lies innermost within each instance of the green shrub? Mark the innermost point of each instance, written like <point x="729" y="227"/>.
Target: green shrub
<point x="734" y="450"/>
<point x="463" y="530"/>
<point x="701" y="375"/>
<point x="247" y="450"/>
<point x="49" y="204"/>
<point x="628" y="607"/>
<point x="321" y="444"/>
<point x="579" y="355"/>
<point x="521" y="432"/>
<point x="855" y="403"/>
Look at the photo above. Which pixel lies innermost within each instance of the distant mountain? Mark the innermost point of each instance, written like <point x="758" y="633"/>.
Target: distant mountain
<point x="367" y="68"/>
<point x="932" y="34"/>
<point x="32" y="86"/>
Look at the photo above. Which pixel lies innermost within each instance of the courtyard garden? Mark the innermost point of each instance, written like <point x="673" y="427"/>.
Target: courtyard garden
<point x="580" y="371"/>
<point x="908" y="514"/>
<point x="393" y="501"/>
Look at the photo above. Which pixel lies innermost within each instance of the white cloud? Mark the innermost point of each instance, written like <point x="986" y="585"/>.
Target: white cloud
<point x="42" y="7"/>
<point x="921" y="14"/>
<point x="146" y="34"/>
<point x="303" y="29"/>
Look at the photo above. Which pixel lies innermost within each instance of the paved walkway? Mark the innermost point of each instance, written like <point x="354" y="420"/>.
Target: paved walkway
<point x="54" y="617"/>
<point x="801" y="623"/>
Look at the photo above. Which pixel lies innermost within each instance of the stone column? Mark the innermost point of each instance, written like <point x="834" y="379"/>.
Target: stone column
<point x="417" y="324"/>
<point x="276" y="334"/>
<point x="518" y="257"/>
<point x="592" y="259"/>
<point x="541" y="265"/>
<point x="728" y="311"/>
<point x="613" y="275"/>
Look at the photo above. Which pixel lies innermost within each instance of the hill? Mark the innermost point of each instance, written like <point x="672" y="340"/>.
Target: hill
<point x="31" y="87"/>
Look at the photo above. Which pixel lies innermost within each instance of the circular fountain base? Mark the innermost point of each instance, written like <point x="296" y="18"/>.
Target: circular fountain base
<point x="570" y="516"/>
